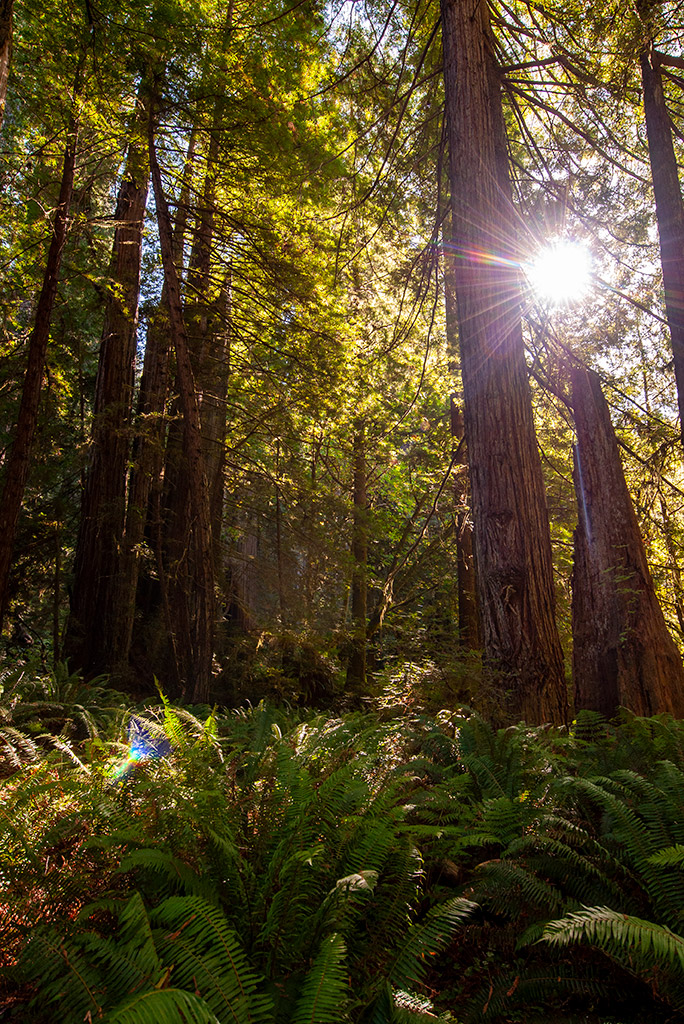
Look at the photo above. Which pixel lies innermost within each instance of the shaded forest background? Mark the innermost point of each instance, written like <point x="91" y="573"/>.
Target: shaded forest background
<point x="269" y="350"/>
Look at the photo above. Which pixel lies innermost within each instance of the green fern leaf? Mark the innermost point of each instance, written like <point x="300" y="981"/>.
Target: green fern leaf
<point x="163" y="1006"/>
<point x="671" y="856"/>
<point x="325" y="990"/>
<point x="208" y="958"/>
<point x="431" y="936"/>
<point x="618" y="934"/>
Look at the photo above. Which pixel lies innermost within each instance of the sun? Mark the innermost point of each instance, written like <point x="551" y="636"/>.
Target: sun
<point x="560" y="273"/>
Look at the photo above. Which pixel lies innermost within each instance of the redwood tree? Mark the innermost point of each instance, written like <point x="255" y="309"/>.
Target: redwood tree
<point x="6" y="13"/>
<point x="93" y="633"/>
<point x="623" y="654"/>
<point x="198" y="642"/>
<point x="511" y="531"/>
<point x="19" y="460"/>
<point x="668" y="196"/>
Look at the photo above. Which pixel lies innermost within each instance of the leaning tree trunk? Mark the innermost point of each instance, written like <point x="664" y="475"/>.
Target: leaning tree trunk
<point x="93" y="637"/>
<point x="18" y="461"/>
<point x="201" y="601"/>
<point x="356" y="663"/>
<point x="623" y="654"/>
<point x="669" y="209"/>
<point x="511" y="530"/>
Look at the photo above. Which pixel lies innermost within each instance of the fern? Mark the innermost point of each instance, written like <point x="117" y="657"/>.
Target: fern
<point x="208" y="957"/>
<point x="619" y="934"/>
<point x="325" y="990"/>
<point x="428" y="938"/>
<point x="163" y="1006"/>
<point x="671" y="856"/>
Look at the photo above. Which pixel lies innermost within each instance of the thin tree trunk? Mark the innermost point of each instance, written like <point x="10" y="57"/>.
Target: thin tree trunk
<point x="356" y="664"/>
<point x="282" y="603"/>
<point x="57" y="597"/>
<point x="511" y="531"/>
<point x="6" y="26"/>
<point x="669" y="209"/>
<point x="202" y="615"/>
<point x="673" y="557"/>
<point x="93" y="640"/>
<point x="19" y="459"/>
<point x="623" y="654"/>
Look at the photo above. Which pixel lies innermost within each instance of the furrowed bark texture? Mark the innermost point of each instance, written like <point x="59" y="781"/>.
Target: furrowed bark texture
<point x="669" y="210"/>
<point x="623" y="654"/>
<point x="94" y="635"/>
<point x="18" y="462"/>
<point x="201" y="602"/>
<point x="511" y="531"/>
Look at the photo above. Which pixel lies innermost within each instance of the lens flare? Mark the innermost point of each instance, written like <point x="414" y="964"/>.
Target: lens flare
<point x="145" y="744"/>
<point x="561" y="273"/>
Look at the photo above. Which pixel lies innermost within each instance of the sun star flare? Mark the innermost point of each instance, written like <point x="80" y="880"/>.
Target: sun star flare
<point x="560" y="273"/>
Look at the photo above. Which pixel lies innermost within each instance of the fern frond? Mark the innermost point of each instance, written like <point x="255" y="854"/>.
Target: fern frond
<point x="618" y="934"/>
<point x="507" y="887"/>
<point x="208" y="957"/>
<point x="66" y="976"/>
<point x="162" y="1006"/>
<point x="325" y="989"/>
<point x="174" y="873"/>
<point x="428" y="938"/>
<point x="671" y="856"/>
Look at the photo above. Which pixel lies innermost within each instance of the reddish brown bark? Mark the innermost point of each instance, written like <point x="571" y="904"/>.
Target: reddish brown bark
<point x="669" y="209"/>
<point x="201" y="601"/>
<point x="6" y="25"/>
<point x="143" y="513"/>
<point x="207" y="314"/>
<point x="623" y="653"/>
<point x="18" y="461"/>
<point x="93" y="638"/>
<point x="511" y="531"/>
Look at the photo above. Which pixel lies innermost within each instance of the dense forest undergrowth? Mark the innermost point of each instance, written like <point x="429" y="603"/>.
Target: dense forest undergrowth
<point x="266" y="864"/>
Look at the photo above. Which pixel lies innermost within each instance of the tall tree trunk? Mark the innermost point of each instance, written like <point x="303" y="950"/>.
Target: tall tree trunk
<point x="206" y="315"/>
<point x="356" y="664"/>
<point x="511" y="531"/>
<point x="145" y="485"/>
<point x="6" y="25"/>
<point x="623" y="653"/>
<point x="93" y="638"/>
<point x="201" y="626"/>
<point x="18" y="461"/>
<point x="669" y="209"/>
<point x="468" y="612"/>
